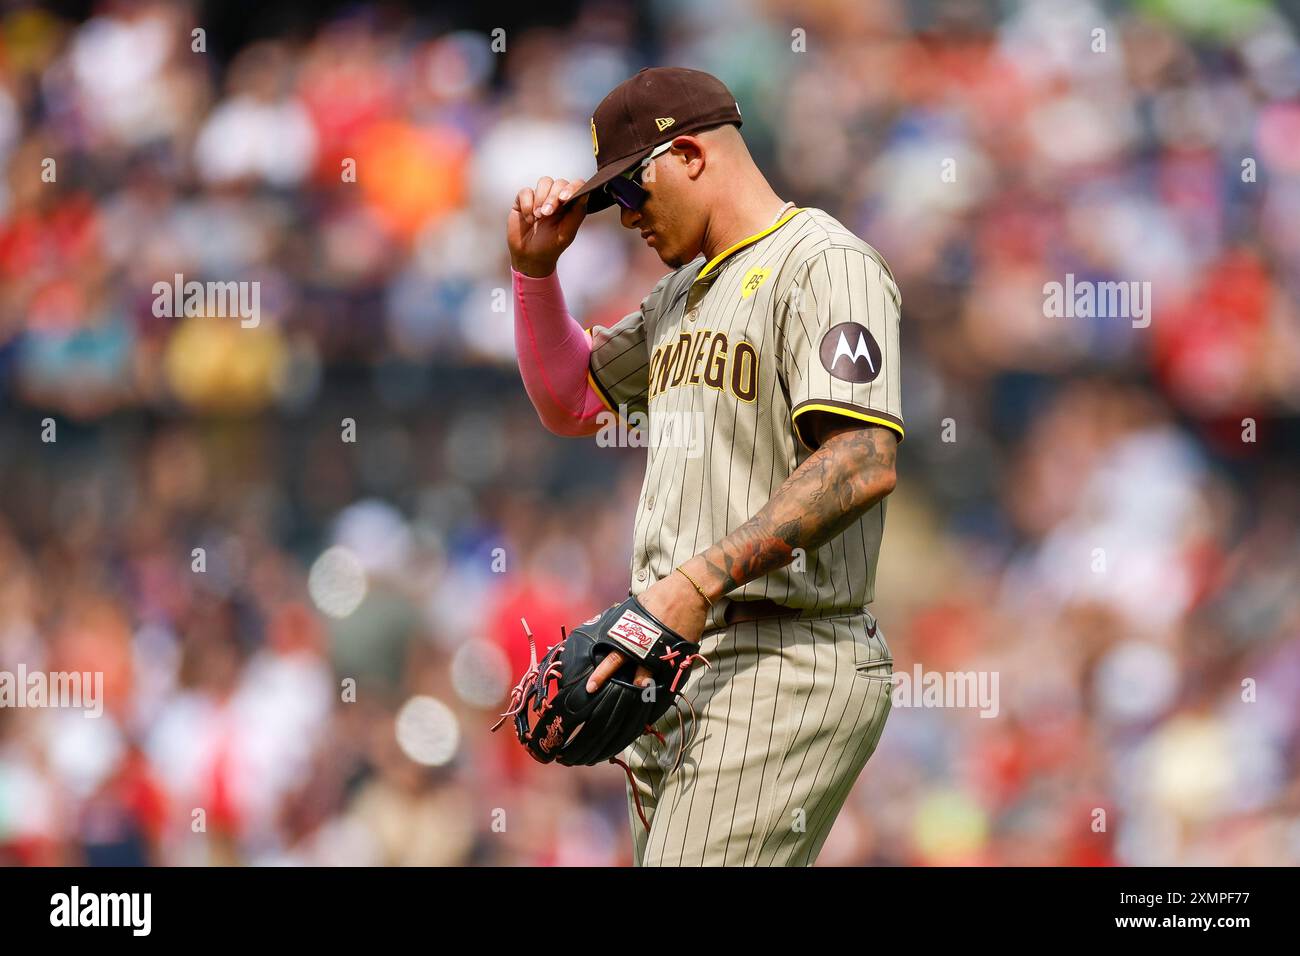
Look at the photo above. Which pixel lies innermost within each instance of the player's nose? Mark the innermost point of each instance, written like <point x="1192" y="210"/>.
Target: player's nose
<point x="631" y="218"/>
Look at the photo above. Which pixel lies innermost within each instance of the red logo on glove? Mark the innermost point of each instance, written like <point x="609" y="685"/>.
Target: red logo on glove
<point x="554" y="733"/>
<point x="635" y="633"/>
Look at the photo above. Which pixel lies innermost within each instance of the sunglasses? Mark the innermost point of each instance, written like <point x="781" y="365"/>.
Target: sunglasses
<point x="626" y="189"/>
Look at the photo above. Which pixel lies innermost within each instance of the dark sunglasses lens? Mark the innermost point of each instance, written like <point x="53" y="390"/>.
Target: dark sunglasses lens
<point x="626" y="193"/>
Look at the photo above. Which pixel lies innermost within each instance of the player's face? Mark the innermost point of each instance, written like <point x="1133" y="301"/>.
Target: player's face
<point x="662" y="219"/>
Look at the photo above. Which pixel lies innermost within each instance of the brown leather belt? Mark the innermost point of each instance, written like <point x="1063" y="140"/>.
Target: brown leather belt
<point x="742" y="612"/>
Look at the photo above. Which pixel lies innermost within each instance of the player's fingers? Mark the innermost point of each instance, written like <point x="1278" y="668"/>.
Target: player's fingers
<point x="573" y="186"/>
<point x="549" y="201"/>
<point x="524" y="203"/>
<point x="642" y="678"/>
<point x="541" y="196"/>
<point x="562" y="196"/>
<point x="613" y="660"/>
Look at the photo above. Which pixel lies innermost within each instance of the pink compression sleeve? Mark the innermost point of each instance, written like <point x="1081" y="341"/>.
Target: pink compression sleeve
<point x="554" y="352"/>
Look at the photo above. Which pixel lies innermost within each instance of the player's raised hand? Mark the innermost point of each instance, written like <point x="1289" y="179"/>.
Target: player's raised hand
<point x="541" y="227"/>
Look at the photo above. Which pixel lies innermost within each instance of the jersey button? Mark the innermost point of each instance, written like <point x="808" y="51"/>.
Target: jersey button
<point x="640" y="575"/>
<point x="650" y="503"/>
<point x="692" y="315"/>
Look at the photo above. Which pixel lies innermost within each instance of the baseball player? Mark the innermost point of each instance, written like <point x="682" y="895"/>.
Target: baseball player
<point x="777" y="329"/>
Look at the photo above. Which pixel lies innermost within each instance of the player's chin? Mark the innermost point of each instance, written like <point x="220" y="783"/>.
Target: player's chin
<point x="669" y="257"/>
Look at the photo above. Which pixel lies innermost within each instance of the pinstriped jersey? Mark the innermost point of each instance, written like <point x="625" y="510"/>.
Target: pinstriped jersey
<point x="721" y="364"/>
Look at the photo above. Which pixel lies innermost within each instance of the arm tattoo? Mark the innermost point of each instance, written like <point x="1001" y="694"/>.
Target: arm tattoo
<point x="851" y="470"/>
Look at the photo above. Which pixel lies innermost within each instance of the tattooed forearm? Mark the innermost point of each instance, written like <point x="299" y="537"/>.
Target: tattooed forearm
<point x="851" y="470"/>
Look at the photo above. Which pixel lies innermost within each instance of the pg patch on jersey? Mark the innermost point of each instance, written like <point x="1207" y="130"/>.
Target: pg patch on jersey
<point x="850" y="354"/>
<point x="753" y="279"/>
<point x="635" y="633"/>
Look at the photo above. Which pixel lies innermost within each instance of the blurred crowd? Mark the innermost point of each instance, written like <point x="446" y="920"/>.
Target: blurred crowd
<point x="299" y="552"/>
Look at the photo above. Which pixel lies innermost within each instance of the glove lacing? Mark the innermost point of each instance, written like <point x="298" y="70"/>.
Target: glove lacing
<point x="519" y="695"/>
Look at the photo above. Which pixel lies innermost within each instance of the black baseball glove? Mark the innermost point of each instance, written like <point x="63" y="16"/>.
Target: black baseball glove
<point x="557" y="720"/>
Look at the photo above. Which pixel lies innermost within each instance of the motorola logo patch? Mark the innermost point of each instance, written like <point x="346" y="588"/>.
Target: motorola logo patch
<point x="850" y="354"/>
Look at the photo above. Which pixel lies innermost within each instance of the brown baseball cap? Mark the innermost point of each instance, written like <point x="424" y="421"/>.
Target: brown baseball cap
<point x="651" y="108"/>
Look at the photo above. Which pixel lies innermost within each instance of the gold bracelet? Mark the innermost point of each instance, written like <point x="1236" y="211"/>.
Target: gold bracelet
<point x="696" y="586"/>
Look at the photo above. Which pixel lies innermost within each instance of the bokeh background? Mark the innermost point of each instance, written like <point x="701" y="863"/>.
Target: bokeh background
<point x="400" y="563"/>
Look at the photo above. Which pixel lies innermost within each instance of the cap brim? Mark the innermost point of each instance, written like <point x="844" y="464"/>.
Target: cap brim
<point x="594" y="188"/>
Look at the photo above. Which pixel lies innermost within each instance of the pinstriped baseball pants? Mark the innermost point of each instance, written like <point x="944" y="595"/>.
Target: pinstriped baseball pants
<point x="786" y="719"/>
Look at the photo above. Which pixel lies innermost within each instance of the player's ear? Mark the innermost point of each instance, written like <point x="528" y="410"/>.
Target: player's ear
<point x="689" y="151"/>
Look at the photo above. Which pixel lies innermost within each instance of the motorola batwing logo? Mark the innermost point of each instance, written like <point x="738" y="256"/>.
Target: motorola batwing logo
<point x="850" y="354"/>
